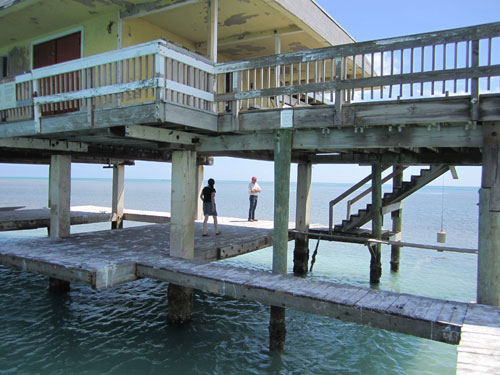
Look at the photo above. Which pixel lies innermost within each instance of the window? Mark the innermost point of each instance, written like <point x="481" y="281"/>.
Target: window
<point x="3" y="67"/>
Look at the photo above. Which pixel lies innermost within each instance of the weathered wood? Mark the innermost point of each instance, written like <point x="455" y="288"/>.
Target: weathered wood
<point x="43" y="144"/>
<point x="118" y="196"/>
<point x="302" y="218"/>
<point x="60" y="195"/>
<point x="398" y="43"/>
<point x="213" y="16"/>
<point x="397" y="219"/>
<point x="488" y="287"/>
<point x="377" y="222"/>
<point x="159" y="134"/>
<point x="182" y="203"/>
<point x="282" y="160"/>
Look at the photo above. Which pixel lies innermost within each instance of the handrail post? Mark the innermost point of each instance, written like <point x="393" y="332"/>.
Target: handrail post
<point x="37" y="108"/>
<point x="160" y="75"/>
<point x="236" y="87"/>
<point x="475" y="84"/>
<point x="339" y="93"/>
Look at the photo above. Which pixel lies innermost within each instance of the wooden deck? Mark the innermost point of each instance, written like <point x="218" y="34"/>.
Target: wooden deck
<point x="107" y="258"/>
<point x="19" y="219"/>
<point x="479" y="349"/>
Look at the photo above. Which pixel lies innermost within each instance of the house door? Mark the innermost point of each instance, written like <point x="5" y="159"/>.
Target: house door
<point x="52" y="52"/>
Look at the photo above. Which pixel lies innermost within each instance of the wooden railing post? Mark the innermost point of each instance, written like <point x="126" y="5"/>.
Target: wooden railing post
<point x="475" y="84"/>
<point x="236" y="87"/>
<point x="160" y="75"/>
<point x="37" y="108"/>
<point x="339" y="93"/>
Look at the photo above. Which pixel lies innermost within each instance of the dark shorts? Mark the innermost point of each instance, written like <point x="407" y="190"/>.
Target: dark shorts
<point x="207" y="209"/>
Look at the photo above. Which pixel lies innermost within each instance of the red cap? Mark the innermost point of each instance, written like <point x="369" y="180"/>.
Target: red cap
<point x="254" y="178"/>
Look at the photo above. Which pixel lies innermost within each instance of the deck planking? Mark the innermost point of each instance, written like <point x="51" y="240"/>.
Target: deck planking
<point x="20" y="219"/>
<point x="108" y="258"/>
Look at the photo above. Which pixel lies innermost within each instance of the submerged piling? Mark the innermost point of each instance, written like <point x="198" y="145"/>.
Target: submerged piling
<point x="302" y="218"/>
<point x="282" y="160"/>
<point x="377" y="221"/>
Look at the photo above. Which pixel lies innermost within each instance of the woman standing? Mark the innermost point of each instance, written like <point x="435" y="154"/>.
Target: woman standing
<point x="208" y="197"/>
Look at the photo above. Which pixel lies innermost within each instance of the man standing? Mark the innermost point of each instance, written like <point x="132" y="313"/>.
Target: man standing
<point x="253" y="189"/>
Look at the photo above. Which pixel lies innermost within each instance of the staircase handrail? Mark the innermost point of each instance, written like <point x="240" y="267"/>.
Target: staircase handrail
<point x="344" y="195"/>
<point x="352" y="189"/>
<point x="367" y="191"/>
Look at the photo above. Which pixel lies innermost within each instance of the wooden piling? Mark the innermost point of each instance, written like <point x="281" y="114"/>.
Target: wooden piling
<point x="488" y="285"/>
<point x="180" y="299"/>
<point x="302" y="218"/>
<point x="60" y="201"/>
<point x="282" y="160"/>
<point x="60" y="195"/>
<point x="58" y="286"/>
<point x="199" y="188"/>
<point x="118" y="199"/>
<point x="397" y="220"/>
<point x="377" y="222"/>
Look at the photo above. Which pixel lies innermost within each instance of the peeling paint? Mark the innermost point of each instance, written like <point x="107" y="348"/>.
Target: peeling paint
<point x="242" y="49"/>
<point x="92" y="3"/>
<point x="148" y="7"/>
<point x="18" y="61"/>
<point x="297" y="46"/>
<point x="238" y="19"/>
<point x="34" y="20"/>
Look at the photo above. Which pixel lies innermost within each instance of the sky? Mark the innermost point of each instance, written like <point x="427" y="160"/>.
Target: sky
<point x="363" y="20"/>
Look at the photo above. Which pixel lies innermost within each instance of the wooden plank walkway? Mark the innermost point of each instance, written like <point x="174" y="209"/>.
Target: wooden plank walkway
<point x="40" y="218"/>
<point x="479" y="349"/>
<point x="107" y="258"/>
<point x="13" y="218"/>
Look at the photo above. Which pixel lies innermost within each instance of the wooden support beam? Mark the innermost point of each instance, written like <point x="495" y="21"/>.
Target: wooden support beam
<point x="118" y="199"/>
<point x="346" y="138"/>
<point x="182" y="230"/>
<point x="302" y="218"/>
<point x="282" y="160"/>
<point x="43" y="144"/>
<point x="213" y="10"/>
<point x="182" y="204"/>
<point x="397" y="220"/>
<point x="377" y="222"/>
<point x="488" y="285"/>
<point x="60" y="195"/>
<point x="151" y="133"/>
<point x="199" y="188"/>
<point x="253" y="36"/>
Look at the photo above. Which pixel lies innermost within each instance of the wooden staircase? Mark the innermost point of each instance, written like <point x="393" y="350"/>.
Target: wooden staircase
<point x="392" y="201"/>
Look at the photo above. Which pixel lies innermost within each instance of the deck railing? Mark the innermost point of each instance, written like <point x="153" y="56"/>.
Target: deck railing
<point x="454" y="62"/>
<point x="148" y="72"/>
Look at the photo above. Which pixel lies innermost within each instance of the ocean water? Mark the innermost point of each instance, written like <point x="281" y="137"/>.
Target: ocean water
<point x="123" y="330"/>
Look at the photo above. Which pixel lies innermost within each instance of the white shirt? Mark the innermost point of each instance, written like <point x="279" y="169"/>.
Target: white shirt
<point x="252" y="186"/>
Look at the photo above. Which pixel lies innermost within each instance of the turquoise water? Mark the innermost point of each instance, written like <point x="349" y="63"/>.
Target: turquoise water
<point x="123" y="330"/>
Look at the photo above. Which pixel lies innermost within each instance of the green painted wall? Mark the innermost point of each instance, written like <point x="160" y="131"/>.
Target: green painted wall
<point x="100" y="35"/>
<point x="136" y="31"/>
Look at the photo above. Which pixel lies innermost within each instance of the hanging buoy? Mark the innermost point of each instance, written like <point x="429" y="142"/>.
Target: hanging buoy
<point x="441" y="236"/>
